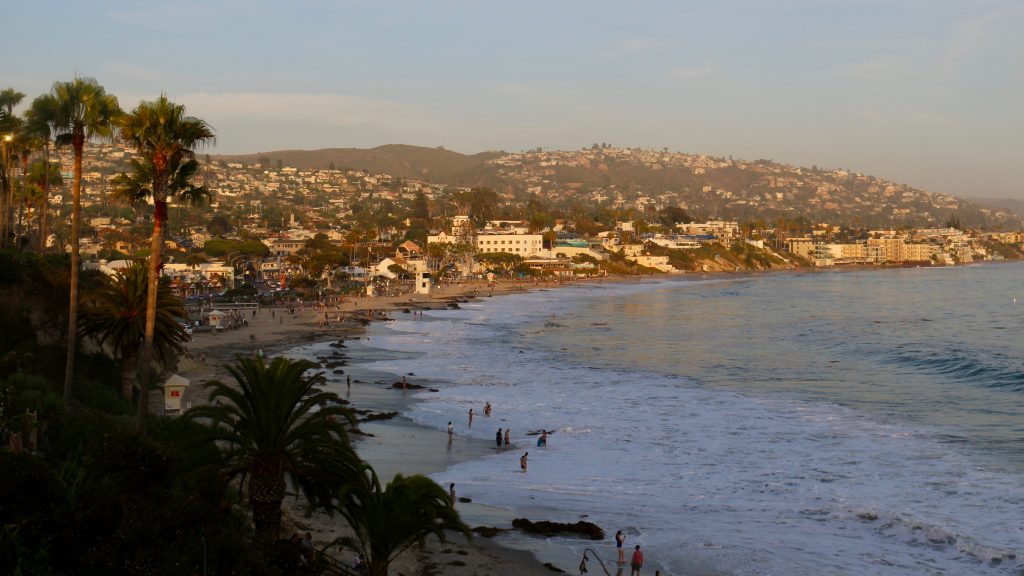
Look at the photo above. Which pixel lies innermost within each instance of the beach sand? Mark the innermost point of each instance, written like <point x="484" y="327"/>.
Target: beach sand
<point x="392" y="446"/>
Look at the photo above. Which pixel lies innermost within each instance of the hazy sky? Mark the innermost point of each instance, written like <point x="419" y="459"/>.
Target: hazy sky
<point x="927" y="92"/>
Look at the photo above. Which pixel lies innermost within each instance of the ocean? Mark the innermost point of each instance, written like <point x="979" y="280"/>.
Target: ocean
<point x="863" y="422"/>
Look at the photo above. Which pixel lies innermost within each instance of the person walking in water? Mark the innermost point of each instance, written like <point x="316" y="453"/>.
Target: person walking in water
<point x="508" y="434"/>
<point x="487" y="409"/>
<point x="522" y="462"/>
<point x="348" y="382"/>
<point x="451" y="494"/>
<point x="543" y="440"/>
<point x="637" y="562"/>
<point x="451" y="430"/>
<point x="620" y="539"/>
<point x="470" y="417"/>
<point x="497" y="437"/>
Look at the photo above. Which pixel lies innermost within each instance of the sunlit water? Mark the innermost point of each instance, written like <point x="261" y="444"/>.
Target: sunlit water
<point x="831" y="423"/>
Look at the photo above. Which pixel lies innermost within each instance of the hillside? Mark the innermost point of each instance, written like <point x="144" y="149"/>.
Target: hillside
<point x="645" y="179"/>
<point x="434" y="164"/>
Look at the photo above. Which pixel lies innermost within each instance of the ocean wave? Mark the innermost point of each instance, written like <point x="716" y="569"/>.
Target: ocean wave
<point x="914" y="532"/>
<point x="963" y="367"/>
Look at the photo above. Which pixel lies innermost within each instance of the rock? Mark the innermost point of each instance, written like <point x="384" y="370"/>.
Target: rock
<point x="465" y="500"/>
<point x="553" y="568"/>
<point x="407" y="386"/>
<point x="867" y="516"/>
<point x="454" y="306"/>
<point x="547" y="528"/>
<point x="488" y="531"/>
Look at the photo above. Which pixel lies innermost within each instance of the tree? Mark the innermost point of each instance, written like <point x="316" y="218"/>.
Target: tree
<point x="276" y="424"/>
<point x="10" y="125"/>
<point x="40" y="175"/>
<point x="115" y="314"/>
<point x="502" y="261"/>
<point x="387" y="521"/>
<point x="41" y="119"/>
<point x="84" y="111"/>
<point x="164" y="137"/>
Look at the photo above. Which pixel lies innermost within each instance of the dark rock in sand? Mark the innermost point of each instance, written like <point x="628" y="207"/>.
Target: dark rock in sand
<point x="553" y="568"/>
<point x="867" y="516"/>
<point x="407" y="386"/>
<point x="465" y="500"/>
<point x="488" y="531"/>
<point x="338" y="371"/>
<point x="433" y="389"/>
<point x="454" y="306"/>
<point x="378" y="416"/>
<point x="547" y="528"/>
<point x="405" y="311"/>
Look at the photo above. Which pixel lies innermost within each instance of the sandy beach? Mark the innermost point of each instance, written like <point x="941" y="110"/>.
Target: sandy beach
<point x="392" y="446"/>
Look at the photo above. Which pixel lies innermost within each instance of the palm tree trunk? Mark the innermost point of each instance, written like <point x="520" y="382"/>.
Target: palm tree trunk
<point x="76" y="194"/>
<point x="46" y="200"/>
<point x="266" y="492"/>
<point x="129" y="372"/>
<point x="4" y="185"/>
<point x="156" y="243"/>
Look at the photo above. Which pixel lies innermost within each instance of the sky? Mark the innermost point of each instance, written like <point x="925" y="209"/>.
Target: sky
<point x="923" y="92"/>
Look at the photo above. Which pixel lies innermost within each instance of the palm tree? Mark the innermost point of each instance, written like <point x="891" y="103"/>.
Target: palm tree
<point x="42" y="174"/>
<point x="25" y="143"/>
<point x="164" y="137"/>
<point x="41" y="120"/>
<point x="115" y="314"/>
<point x="277" y="424"/>
<point x="84" y="111"/>
<point x="9" y="126"/>
<point x="388" y="521"/>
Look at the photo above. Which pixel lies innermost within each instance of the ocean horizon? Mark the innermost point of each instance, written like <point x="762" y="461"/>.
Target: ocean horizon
<point x="858" y="422"/>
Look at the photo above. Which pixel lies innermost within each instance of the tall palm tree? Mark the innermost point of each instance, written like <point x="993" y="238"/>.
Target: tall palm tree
<point x="276" y="424"/>
<point x="9" y="126"/>
<point x="164" y="137"/>
<point x="115" y="314"/>
<point x="41" y="119"/>
<point x="84" y="111"/>
<point x="387" y="521"/>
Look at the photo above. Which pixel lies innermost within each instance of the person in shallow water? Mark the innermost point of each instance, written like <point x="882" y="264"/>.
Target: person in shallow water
<point x="620" y="539"/>
<point x="508" y="435"/>
<point x="637" y="562"/>
<point x="522" y="461"/>
<point x="497" y="437"/>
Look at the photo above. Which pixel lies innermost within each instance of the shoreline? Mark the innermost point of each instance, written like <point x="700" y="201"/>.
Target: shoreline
<point x="414" y="439"/>
<point x="371" y="391"/>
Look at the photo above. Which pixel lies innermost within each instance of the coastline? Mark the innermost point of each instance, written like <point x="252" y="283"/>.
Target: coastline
<point x="394" y="445"/>
<point x="399" y="445"/>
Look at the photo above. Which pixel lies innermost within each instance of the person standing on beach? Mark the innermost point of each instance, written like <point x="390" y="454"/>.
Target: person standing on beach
<point x="637" y="562"/>
<point x="451" y="494"/>
<point x="451" y="430"/>
<point x="348" y="382"/>
<point x="470" y="417"/>
<point x="508" y="434"/>
<point x="522" y="462"/>
<point x="620" y="538"/>
<point x="497" y="437"/>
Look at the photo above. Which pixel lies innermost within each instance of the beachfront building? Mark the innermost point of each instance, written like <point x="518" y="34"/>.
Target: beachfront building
<point x="719" y="228"/>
